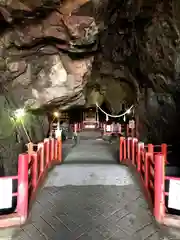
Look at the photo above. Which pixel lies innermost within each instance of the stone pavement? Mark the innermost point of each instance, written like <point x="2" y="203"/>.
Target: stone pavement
<point x="90" y="201"/>
<point x="92" y="151"/>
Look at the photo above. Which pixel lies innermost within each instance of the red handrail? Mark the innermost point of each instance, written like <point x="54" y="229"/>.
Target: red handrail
<point x="159" y="199"/>
<point x="32" y="168"/>
<point x="150" y="166"/>
<point x="22" y="197"/>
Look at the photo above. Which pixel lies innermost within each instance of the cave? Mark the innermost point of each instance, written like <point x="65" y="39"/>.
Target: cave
<point x="69" y="55"/>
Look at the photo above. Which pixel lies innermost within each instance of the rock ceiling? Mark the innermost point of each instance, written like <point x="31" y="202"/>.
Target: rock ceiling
<point x="60" y="52"/>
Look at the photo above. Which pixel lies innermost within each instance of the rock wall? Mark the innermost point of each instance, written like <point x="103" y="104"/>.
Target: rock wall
<point x="140" y="46"/>
<point x="158" y="60"/>
<point x="43" y="64"/>
<point x="13" y="138"/>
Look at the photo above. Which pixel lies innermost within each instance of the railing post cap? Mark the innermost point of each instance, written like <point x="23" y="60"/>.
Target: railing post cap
<point x="135" y="140"/>
<point x="122" y="137"/>
<point x="29" y="143"/>
<point x="46" y="139"/>
<point x="34" y="154"/>
<point x="159" y="154"/>
<point x="23" y="154"/>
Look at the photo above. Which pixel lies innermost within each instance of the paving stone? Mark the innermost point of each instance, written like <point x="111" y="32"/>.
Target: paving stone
<point x="107" y="230"/>
<point x="67" y="221"/>
<point x="94" y="234"/>
<point x="155" y="236"/>
<point x="110" y="210"/>
<point x="22" y="235"/>
<point x="44" y="228"/>
<point x="120" y="235"/>
<point x="146" y="232"/>
<point x="117" y="216"/>
<point x="131" y="223"/>
<point x="135" y="206"/>
<point x="55" y="223"/>
<point x="32" y="232"/>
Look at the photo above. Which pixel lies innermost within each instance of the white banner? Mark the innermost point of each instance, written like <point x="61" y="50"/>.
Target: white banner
<point x="174" y="194"/>
<point x="108" y="128"/>
<point x="132" y="124"/>
<point x="6" y="188"/>
<point x="58" y="133"/>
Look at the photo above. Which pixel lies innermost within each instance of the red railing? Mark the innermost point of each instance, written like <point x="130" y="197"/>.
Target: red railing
<point x="150" y="166"/>
<point x="32" y="169"/>
<point x="163" y="148"/>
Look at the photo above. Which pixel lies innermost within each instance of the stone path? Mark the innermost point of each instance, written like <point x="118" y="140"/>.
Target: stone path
<point x="92" y="151"/>
<point x="90" y="201"/>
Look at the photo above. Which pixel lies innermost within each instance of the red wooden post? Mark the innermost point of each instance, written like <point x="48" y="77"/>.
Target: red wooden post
<point x="140" y="146"/>
<point x="47" y="150"/>
<point x="146" y="169"/>
<point x="159" y="178"/>
<point x="164" y="151"/>
<point x="121" y="148"/>
<point x="125" y="149"/>
<point x="22" y="198"/>
<point x="138" y="157"/>
<point x="59" y="140"/>
<point x="52" y="149"/>
<point x="41" y="150"/>
<point x="134" y="146"/>
<point x="150" y="148"/>
<point x="56" y="150"/>
<point x="49" y="146"/>
<point x="34" y="170"/>
<point x="119" y="128"/>
<point x="129" y="148"/>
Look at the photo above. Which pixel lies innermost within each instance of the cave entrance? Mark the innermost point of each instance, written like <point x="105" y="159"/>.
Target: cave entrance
<point x="75" y="114"/>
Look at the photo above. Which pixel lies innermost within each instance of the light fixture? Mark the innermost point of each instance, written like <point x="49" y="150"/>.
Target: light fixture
<point x="19" y="113"/>
<point x="56" y="114"/>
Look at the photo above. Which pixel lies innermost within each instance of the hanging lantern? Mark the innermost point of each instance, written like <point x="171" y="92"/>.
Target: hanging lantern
<point x="124" y="118"/>
<point x="107" y="118"/>
<point x="97" y="114"/>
